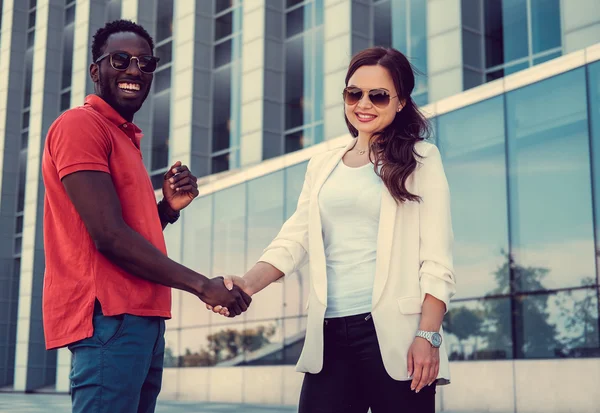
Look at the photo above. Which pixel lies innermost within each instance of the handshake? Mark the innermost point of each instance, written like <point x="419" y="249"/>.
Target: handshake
<point x="228" y="296"/>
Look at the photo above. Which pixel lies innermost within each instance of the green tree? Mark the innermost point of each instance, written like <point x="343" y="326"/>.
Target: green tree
<point x="226" y="345"/>
<point x="535" y="335"/>
<point x="464" y="324"/>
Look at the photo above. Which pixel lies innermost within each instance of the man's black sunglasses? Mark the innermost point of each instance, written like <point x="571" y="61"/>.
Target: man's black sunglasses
<point x="121" y="61"/>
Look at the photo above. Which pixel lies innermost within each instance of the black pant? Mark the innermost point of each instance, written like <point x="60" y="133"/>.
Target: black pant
<point x="354" y="378"/>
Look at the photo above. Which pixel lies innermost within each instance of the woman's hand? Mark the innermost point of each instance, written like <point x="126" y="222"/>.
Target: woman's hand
<point x="229" y="281"/>
<point x="424" y="362"/>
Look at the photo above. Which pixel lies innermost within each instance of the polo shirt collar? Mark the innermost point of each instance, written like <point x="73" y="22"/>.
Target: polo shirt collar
<point x="100" y="106"/>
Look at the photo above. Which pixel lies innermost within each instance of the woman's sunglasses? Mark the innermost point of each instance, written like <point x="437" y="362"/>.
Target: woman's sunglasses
<point x="378" y="97"/>
<point x="121" y="60"/>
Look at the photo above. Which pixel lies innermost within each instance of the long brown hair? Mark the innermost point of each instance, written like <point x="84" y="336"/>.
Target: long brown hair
<point x="393" y="148"/>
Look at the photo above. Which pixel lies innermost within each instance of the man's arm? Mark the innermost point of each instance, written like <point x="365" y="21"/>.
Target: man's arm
<point x="95" y="199"/>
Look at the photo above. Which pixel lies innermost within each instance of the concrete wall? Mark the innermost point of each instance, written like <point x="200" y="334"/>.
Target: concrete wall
<point x="521" y="386"/>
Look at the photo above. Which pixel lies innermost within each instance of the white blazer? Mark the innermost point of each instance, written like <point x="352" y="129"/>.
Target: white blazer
<point x="414" y="258"/>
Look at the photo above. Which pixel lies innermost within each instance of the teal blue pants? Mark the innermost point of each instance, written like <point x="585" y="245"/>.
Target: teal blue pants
<point x="118" y="369"/>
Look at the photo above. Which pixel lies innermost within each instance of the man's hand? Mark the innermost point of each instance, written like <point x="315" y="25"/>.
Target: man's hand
<point x="180" y="187"/>
<point x="234" y="299"/>
<point x="424" y="361"/>
<point x="230" y="282"/>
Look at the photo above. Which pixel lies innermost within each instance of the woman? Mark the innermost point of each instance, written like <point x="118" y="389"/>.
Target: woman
<point x="373" y="222"/>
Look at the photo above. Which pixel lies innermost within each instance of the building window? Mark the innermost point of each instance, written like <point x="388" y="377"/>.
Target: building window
<point x="402" y="24"/>
<point x="226" y="99"/>
<point x="161" y="102"/>
<point x="25" y="115"/>
<point x="520" y="34"/>
<point x="67" y="57"/>
<point x="303" y="74"/>
<point x="113" y="10"/>
<point x="535" y="296"/>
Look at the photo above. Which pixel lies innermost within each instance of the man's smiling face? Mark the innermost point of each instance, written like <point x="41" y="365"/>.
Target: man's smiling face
<point x="125" y="90"/>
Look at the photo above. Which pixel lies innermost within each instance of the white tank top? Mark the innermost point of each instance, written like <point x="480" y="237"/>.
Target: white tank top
<point x="349" y="203"/>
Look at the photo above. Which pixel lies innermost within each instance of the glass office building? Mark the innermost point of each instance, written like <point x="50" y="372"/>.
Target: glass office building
<point x="247" y="91"/>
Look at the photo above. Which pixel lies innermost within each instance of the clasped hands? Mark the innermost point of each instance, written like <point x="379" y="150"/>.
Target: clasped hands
<point x="232" y="283"/>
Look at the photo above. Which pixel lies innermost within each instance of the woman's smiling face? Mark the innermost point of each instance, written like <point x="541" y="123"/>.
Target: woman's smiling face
<point x="364" y="115"/>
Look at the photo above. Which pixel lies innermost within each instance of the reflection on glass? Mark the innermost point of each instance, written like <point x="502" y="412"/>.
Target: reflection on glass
<point x="223" y="53"/>
<point x="162" y="80"/>
<point x="164" y="22"/>
<point x="472" y="144"/>
<point x="261" y="343"/>
<point x="221" y="5"/>
<point x="19" y="226"/>
<point x="418" y="41"/>
<point x="229" y="244"/>
<point x="195" y="348"/>
<point x="165" y="53"/>
<point x="28" y="79"/>
<point x="593" y="86"/>
<point x="479" y="330"/>
<point x="160" y="131"/>
<point x="67" y="61"/>
<point x="296" y="286"/>
<point x="382" y="27"/>
<point x="65" y="100"/>
<point x="172" y="351"/>
<point x="549" y="182"/>
<point x="545" y="25"/>
<point x="198" y="235"/>
<point x="18" y="245"/>
<point x="30" y="38"/>
<point x="22" y="176"/>
<point x="157" y="180"/>
<point x="223" y="26"/>
<point x="516" y="68"/>
<point x="220" y="163"/>
<point x="319" y="94"/>
<point x="114" y="10"/>
<point x="295" y="331"/>
<point x="70" y="14"/>
<point x="222" y="109"/>
<point x="494" y="33"/>
<point x="294" y="179"/>
<point x="265" y="217"/>
<point x="299" y="20"/>
<point x="557" y="325"/>
<point x="294" y="141"/>
<point x="294" y="83"/>
<point x="539" y="60"/>
<point x="514" y="22"/>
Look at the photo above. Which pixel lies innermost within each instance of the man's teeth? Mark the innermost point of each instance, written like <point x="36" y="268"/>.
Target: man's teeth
<point x="129" y="86"/>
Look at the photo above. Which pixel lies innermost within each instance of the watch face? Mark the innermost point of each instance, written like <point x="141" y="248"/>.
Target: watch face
<point x="436" y="339"/>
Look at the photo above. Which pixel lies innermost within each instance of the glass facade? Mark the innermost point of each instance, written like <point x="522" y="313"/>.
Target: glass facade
<point x="304" y="73"/>
<point x="225" y="233"/>
<point x="520" y="34"/>
<point x="161" y="101"/>
<point x="67" y="55"/>
<point x="226" y="99"/>
<point x="521" y="171"/>
<point x="402" y="24"/>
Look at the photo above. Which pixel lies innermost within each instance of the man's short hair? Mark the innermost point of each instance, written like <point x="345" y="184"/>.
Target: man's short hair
<point x="117" y="26"/>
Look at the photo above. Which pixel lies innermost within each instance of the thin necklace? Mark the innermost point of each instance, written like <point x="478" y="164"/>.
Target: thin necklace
<point x="360" y="151"/>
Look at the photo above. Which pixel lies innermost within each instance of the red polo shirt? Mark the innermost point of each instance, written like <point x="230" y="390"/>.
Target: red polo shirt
<point x="94" y="137"/>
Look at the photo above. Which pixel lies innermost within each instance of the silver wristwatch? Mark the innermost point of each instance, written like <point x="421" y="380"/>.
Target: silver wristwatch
<point x="434" y="338"/>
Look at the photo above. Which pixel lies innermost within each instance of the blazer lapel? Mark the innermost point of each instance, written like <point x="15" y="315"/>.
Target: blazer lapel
<point x="385" y="238"/>
<point x="318" y="261"/>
